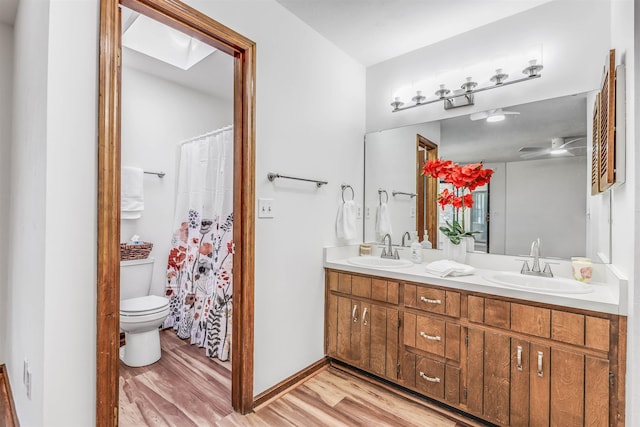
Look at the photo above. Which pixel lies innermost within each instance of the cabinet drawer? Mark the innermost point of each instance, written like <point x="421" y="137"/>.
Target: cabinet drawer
<point x="438" y="379"/>
<point x="432" y="300"/>
<point x="517" y="317"/>
<point x="432" y="335"/>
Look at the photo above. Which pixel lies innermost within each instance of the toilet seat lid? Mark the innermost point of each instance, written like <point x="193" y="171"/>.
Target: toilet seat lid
<point x="143" y="304"/>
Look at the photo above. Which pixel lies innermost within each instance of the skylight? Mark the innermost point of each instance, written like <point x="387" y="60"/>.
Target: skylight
<point x="161" y="42"/>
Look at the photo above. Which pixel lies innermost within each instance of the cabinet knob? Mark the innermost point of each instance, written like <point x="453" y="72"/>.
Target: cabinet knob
<point x="428" y="378"/>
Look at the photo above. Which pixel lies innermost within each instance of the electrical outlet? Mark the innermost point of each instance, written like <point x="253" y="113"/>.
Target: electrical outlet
<point x="367" y="212"/>
<point x="266" y="208"/>
<point x="412" y="212"/>
<point x="358" y="212"/>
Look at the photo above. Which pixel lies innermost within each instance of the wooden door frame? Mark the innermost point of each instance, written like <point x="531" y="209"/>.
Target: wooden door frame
<point x="431" y="148"/>
<point x="188" y="20"/>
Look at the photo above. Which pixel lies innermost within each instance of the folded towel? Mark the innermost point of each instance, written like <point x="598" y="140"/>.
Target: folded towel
<point x="131" y="193"/>
<point x="447" y="267"/>
<point x="383" y="220"/>
<point x="346" y="221"/>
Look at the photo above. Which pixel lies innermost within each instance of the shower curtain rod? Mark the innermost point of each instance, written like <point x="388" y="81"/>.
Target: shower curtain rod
<point x="204" y="135"/>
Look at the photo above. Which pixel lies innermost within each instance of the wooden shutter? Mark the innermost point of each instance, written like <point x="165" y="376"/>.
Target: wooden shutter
<point x="595" y="156"/>
<point x="607" y="121"/>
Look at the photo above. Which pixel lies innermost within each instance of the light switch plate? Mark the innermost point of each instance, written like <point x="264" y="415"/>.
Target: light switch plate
<point x="266" y="208"/>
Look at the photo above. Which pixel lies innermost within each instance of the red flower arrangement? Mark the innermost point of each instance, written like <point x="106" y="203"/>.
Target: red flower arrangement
<point x="463" y="178"/>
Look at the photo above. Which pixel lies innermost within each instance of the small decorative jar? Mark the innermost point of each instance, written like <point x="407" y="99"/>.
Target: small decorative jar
<point x="365" y="249"/>
<point x="582" y="269"/>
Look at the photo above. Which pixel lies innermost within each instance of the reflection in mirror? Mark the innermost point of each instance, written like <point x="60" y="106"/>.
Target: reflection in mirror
<point x="539" y="188"/>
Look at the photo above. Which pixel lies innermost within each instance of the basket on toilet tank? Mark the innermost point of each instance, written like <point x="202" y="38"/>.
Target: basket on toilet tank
<point x="130" y="252"/>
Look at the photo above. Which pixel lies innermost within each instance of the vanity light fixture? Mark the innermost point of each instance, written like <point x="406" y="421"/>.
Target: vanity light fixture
<point x="465" y="95"/>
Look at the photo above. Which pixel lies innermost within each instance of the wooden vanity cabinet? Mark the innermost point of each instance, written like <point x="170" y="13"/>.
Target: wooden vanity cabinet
<point x="359" y="329"/>
<point x="507" y="361"/>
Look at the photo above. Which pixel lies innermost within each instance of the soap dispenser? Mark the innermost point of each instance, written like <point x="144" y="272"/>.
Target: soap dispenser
<point x="426" y="244"/>
<point x="416" y="250"/>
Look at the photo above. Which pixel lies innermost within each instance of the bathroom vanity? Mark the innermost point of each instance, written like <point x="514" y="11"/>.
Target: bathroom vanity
<point x="508" y="356"/>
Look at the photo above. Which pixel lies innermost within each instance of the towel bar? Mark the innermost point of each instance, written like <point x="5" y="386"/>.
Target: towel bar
<point x="160" y="174"/>
<point x="273" y="175"/>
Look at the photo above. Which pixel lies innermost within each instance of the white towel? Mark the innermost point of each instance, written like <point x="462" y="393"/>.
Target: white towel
<point x="447" y="267"/>
<point x="131" y="193"/>
<point x="383" y="220"/>
<point x="346" y="221"/>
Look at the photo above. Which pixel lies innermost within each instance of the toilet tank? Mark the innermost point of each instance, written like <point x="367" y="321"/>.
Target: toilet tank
<point x="135" y="278"/>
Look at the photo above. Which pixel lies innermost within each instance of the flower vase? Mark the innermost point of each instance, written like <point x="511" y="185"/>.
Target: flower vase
<point x="471" y="243"/>
<point x="457" y="253"/>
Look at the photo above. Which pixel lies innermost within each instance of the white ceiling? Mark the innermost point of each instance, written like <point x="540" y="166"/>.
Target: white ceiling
<point x="372" y="31"/>
<point x="8" y="10"/>
<point x="536" y="125"/>
<point x="213" y="75"/>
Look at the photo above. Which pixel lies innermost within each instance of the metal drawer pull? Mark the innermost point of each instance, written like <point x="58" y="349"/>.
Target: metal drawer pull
<point x="430" y="337"/>
<point x="364" y="316"/>
<point x="430" y="379"/>
<point x="430" y="301"/>
<point x="540" y="356"/>
<point x="519" y="356"/>
<point x="354" y="313"/>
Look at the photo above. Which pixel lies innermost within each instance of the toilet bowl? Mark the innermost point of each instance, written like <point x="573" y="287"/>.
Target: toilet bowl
<point x="140" y="319"/>
<point x="141" y="314"/>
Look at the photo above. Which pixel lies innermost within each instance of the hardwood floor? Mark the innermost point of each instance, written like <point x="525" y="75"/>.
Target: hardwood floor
<point x="8" y="416"/>
<point x="185" y="388"/>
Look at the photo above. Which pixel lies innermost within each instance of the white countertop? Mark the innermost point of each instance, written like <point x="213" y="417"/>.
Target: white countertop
<point x="608" y="284"/>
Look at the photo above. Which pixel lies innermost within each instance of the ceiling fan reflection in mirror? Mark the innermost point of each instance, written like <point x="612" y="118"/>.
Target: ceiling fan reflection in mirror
<point x="569" y="146"/>
<point x="491" y="116"/>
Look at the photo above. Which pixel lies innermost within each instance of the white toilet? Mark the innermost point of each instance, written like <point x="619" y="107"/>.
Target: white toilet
<point x="141" y="314"/>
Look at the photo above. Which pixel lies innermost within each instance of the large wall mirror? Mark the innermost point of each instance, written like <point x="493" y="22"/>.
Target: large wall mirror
<point x="540" y="188"/>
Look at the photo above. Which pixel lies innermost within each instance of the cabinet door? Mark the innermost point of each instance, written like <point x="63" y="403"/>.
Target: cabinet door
<point x="383" y="329"/>
<point x="366" y="335"/>
<point x="353" y="338"/>
<point x="530" y="381"/>
<point x="488" y="375"/>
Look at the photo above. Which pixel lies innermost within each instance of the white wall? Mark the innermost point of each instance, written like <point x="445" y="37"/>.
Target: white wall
<point x="71" y="195"/>
<point x="26" y="270"/>
<point x="561" y="224"/>
<point x="6" y="83"/>
<point x="573" y="50"/>
<point x="625" y="215"/>
<point x="389" y="157"/>
<point x="52" y="265"/>
<point x="309" y="123"/>
<point x="156" y="115"/>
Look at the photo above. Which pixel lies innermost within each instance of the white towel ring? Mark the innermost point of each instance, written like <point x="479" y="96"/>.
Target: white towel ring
<point x="380" y="191"/>
<point x="344" y="188"/>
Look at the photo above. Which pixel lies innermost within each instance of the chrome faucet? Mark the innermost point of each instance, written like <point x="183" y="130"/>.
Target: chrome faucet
<point x="389" y="254"/>
<point x="406" y="234"/>
<point x="535" y="269"/>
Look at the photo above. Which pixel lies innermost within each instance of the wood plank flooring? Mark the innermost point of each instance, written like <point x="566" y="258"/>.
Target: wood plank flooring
<point x="185" y="388"/>
<point x="7" y="410"/>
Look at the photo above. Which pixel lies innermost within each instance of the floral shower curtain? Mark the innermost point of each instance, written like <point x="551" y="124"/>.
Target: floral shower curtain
<point x="199" y="279"/>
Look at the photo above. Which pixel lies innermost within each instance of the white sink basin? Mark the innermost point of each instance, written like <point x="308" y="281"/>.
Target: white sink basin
<point x="548" y="285"/>
<point x="377" y="262"/>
